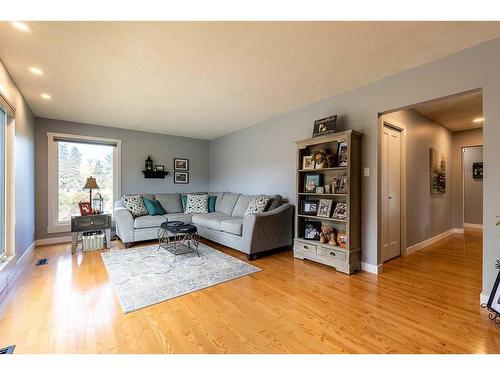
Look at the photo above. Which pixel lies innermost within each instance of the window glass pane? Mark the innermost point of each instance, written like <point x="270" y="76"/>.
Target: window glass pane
<point x="2" y="180"/>
<point x="76" y="162"/>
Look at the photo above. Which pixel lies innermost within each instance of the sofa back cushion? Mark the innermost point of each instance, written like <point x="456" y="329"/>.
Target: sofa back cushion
<point x="171" y="202"/>
<point x="226" y="203"/>
<point x="242" y="204"/>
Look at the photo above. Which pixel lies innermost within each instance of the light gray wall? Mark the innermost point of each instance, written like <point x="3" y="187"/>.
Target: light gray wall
<point x="261" y="158"/>
<point x="427" y="215"/>
<point x="473" y="189"/>
<point x="136" y="146"/>
<point x="461" y="139"/>
<point x="24" y="164"/>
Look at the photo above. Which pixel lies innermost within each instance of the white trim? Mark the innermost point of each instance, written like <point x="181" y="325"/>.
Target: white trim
<point x="52" y="241"/>
<point x="483" y="298"/>
<point x="53" y="225"/>
<point x="432" y="240"/>
<point x="10" y="268"/>
<point x="473" y="226"/>
<point x="371" y="268"/>
<point x="28" y="251"/>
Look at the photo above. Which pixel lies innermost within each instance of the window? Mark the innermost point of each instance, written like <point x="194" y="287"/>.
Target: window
<point x="71" y="160"/>
<point x="3" y="158"/>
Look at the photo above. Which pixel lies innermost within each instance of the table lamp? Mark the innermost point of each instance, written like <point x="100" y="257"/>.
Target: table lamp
<point x="90" y="184"/>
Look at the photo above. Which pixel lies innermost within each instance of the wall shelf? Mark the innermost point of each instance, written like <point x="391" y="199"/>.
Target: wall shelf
<point x="155" y="174"/>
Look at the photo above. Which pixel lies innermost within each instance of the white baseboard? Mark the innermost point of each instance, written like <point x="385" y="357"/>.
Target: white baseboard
<point x="371" y="268"/>
<point x="430" y="241"/>
<point x="483" y="298"/>
<point x="473" y="226"/>
<point x="12" y="269"/>
<point x="28" y="251"/>
<point x="52" y="241"/>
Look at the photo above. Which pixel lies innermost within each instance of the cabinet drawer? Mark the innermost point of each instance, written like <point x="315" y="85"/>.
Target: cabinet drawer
<point x="303" y="246"/>
<point x="332" y="254"/>
<point x="91" y="222"/>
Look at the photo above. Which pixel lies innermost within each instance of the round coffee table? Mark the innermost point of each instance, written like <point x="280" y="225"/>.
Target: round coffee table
<point x="178" y="238"/>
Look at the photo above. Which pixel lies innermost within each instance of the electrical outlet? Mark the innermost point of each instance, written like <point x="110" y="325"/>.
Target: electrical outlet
<point x="366" y="171"/>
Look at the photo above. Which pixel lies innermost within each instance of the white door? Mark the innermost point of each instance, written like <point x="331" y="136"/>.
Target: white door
<point x="391" y="193"/>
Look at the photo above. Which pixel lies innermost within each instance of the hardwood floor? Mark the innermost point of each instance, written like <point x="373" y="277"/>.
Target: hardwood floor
<point x="427" y="302"/>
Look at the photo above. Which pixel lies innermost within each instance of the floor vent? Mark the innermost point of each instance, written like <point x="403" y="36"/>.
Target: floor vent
<point x="41" y="262"/>
<point x="8" y="350"/>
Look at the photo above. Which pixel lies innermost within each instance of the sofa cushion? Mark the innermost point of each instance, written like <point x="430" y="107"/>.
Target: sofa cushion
<point x="153" y="206"/>
<point x="135" y="205"/>
<point x="257" y="205"/>
<point x="196" y="204"/>
<point x="242" y="204"/>
<point x="211" y="220"/>
<point x="185" y="218"/>
<point x="233" y="225"/>
<point x="226" y="203"/>
<point x="171" y="202"/>
<point x="149" y="221"/>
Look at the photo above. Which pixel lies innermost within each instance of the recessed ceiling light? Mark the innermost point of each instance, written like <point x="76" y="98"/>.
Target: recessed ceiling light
<point x="20" y="26"/>
<point x="46" y="96"/>
<point x="479" y="119"/>
<point x="35" y="70"/>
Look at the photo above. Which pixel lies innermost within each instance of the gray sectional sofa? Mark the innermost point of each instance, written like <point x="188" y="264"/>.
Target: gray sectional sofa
<point x="251" y="234"/>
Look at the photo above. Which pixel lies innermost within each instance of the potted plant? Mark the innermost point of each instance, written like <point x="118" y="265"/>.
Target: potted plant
<point x="319" y="158"/>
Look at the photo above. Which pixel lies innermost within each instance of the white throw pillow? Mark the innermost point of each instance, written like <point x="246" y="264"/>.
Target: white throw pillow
<point x="135" y="204"/>
<point x="257" y="205"/>
<point x="196" y="204"/>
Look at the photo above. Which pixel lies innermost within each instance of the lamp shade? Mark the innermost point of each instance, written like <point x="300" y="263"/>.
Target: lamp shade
<point x="91" y="183"/>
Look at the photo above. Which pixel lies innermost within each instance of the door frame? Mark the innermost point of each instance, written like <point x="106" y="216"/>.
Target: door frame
<point x="383" y="121"/>
<point x="462" y="174"/>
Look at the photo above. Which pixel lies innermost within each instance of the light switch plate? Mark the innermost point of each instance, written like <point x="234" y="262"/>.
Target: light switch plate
<point x="366" y="171"/>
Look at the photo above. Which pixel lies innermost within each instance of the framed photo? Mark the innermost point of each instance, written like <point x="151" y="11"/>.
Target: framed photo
<point x="438" y="171"/>
<point x="160" y="168"/>
<point x="325" y="126"/>
<point x="340" y="211"/>
<point x="181" y="164"/>
<point x="312" y="230"/>
<point x="325" y="207"/>
<point x="320" y="190"/>
<point x="85" y="208"/>
<point x="494" y="301"/>
<point x="340" y="184"/>
<point x="342" y="240"/>
<point x="181" y="177"/>
<point x="309" y="207"/>
<point x="307" y="162"/>
<point x="477" y="170"/>
<point x="342" y="154"/>
<point x="311" y="182"/>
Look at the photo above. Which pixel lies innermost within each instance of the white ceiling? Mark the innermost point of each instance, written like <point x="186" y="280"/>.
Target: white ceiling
<point x="456" y="113"/>
<point x="206" y="79"/>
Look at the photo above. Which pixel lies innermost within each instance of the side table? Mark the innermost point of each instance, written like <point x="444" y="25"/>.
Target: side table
<point x="89" y="223"/>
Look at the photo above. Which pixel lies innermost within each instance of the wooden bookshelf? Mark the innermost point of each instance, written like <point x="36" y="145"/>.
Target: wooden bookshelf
<point x="345" y="259"/>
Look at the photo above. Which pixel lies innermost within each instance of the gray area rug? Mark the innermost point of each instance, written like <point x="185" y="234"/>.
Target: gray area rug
<point x="143" y="276"/>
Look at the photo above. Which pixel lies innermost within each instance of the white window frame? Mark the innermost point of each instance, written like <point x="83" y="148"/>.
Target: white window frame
<point x="53" y="224"/>
<point x="10" y="133"/>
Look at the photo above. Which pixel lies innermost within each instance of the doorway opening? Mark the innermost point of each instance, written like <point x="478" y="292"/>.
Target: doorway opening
<point x="430" y="180"/>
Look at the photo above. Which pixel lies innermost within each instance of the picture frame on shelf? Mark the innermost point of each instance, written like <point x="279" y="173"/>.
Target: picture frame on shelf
<point x="309" y="207"/>
<point x="181" y="164"/>
<point x="324" y="208"/>
<point x="342" y="154"/>
<point x="342" y="240"/>
<point x="311" y="182"/>
<point x="320" y="190"/>
<point x="324" y="126"/>
<point x="494" y="300"/>
<point x="340" y="184"/>
<point x="340" y="211"/>
<point x="312" y="230"/>
<point x="181" y="177"/>
<point x="307" y="162"/>
<point x="159" y="168"/>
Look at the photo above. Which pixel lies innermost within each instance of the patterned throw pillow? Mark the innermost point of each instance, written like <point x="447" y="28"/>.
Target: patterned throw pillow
<point x="196" y="204"/>
<point x="257" y="205"/>
<point x="135" y="205"/>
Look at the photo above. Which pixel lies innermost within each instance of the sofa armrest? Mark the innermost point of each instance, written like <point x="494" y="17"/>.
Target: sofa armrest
<point x="268" y="230"/>
<point x="124" y="223"/>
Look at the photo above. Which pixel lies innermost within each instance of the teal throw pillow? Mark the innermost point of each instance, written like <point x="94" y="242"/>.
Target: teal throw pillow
<point x="153" y="207"/>
<point x="211" y="203"/>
